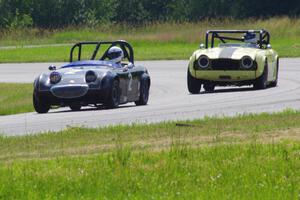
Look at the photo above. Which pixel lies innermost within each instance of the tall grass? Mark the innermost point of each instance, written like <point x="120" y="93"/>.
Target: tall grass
<point x="280" y="27"/>
<point x="253" y="171"/>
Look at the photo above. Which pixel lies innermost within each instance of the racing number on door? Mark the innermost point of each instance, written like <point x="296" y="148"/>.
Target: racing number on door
<point x="129" y="82"/>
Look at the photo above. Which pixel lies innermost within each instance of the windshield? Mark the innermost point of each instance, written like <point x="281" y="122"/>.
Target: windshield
<point x="246" y="45"/>
<point x="94" y="63"/>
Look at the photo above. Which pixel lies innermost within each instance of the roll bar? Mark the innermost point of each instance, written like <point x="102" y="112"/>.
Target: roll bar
<point x="125" y="46"/>
<point x="264" y="36"/>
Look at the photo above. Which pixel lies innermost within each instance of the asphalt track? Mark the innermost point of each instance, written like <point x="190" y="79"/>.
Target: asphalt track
<point x="169" y="100"/>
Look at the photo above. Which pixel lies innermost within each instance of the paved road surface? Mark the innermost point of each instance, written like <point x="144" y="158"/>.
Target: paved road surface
<point x="169" y="99"/>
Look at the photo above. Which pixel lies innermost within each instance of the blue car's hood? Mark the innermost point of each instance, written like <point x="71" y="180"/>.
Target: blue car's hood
<point x="74" y="73"/>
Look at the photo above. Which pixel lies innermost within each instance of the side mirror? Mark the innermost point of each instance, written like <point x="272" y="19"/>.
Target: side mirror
<point x="269" y="46"/>
<point x="52" y="68"/>
<point x="202" y="46"/>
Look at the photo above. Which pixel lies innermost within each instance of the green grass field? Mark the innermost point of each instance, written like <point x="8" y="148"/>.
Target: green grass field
<point x="245" y="157"/>
<point x="17" y="100"/>
<point x="151" y="42"/>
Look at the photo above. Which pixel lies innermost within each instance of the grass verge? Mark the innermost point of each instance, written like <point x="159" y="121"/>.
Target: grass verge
<point x="15" y="98"/>
<point x="144" y="50"/>
<point x="154" y="41"/>
<point x="245" y="157"/>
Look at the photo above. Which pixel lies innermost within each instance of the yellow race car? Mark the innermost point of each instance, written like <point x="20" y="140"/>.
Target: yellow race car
<point x="233" y="57"/>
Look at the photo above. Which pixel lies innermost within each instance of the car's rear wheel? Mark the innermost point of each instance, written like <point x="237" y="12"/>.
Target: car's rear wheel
<point x="75" y="107"/>
<point x="144" y="93"/>
<point x="113" y="96"/>
<point x="194" y="85"/>
<point x="261" y="82"/>
<point x="274" y="83"/>
<point x="209" y="87"/>
<point x="38" y="104"/>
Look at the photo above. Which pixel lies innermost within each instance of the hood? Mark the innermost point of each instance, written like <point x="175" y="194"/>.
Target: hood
<point x="74" y="73"/>
<point x="235" y="53"/>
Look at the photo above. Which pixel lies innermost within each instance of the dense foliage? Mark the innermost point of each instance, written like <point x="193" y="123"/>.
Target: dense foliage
<point x="60" y="13"/>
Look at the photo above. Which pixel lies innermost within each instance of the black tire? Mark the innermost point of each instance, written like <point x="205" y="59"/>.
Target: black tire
<point x="262" y="82"/>
<point x="144" y="93"/>
<point x="75" y="107"/>
<point x="209" y="87"/>
<point x="113" y="96"/>
<point x="274" y="83"/>
<point x="40" y="106"/>
<point x="194" y="85"/>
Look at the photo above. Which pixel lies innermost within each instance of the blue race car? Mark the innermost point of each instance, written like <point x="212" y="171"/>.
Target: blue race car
<point x="109" y="80"/>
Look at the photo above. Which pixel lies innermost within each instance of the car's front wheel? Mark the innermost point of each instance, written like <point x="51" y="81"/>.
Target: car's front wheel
<point x="40" y="106"/>
<point x="113" y="96"/>
<point x="144" y="93"/>
<point x="194" y="85"/>
<point x="261" y="82"/>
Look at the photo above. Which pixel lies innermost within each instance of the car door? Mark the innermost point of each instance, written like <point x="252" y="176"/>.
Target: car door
<point x="133" y="83"/>
<point x="123" y="78"/>
<point x="271" y="64"/>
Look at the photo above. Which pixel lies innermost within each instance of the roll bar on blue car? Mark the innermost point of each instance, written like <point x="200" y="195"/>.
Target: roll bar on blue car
<point x="264" y="36"/>
<point x="125" y="46"/>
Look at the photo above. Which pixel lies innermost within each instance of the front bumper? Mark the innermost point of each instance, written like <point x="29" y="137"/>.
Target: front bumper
<point x="90" y="97"/>
<point x="225" y="76"/>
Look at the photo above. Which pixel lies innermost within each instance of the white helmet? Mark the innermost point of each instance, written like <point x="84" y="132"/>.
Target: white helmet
<point x="115" y="54"/>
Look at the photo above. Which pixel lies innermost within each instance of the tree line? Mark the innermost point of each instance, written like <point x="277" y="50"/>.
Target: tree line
<point x="61" y="13"/>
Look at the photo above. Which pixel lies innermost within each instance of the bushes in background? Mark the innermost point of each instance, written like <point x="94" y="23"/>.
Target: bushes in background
<point x="61" y="13"/>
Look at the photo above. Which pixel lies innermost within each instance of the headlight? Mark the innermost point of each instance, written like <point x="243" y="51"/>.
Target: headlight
<point x="90" y="77"/>
<point x="247" y="62"/>
<point x="203" y="62"/>
<point x="55" y="77"/>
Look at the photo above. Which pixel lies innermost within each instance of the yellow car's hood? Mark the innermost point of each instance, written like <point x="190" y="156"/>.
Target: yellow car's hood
<point x="235" y="53"/>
